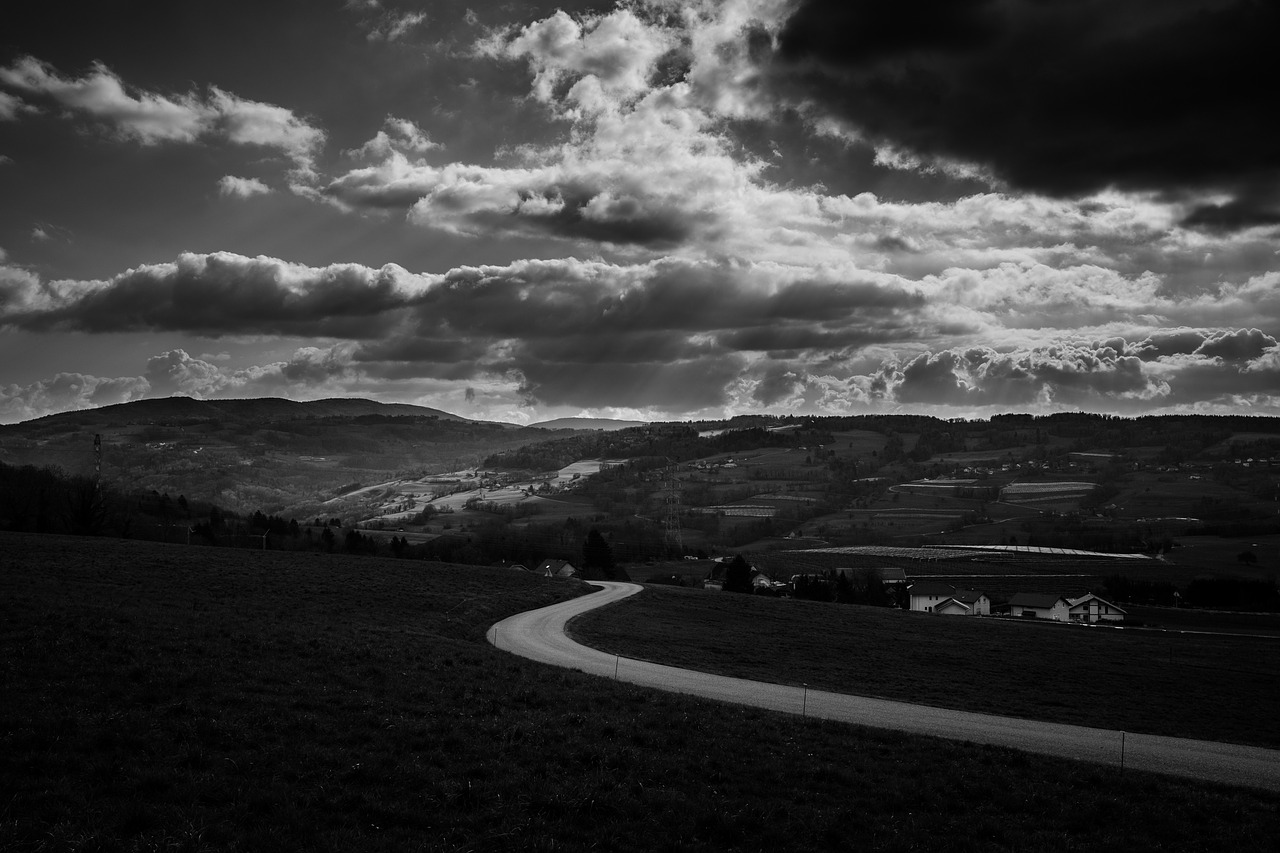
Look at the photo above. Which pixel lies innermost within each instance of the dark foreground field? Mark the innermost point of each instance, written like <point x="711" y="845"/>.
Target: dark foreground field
<point x="163" y="698"/>
<point x="1223" y="688"/>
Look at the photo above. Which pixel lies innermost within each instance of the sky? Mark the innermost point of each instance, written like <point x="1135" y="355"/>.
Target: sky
<point x="644" y="210"/>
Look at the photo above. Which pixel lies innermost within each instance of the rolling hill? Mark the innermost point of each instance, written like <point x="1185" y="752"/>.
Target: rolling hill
<point x="265" y="453"/>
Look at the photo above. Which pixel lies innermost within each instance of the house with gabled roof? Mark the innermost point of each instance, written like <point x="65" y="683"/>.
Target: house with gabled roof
<point x="965" y="602"/>
<point x="1033" y="605"/>
<point x="556" y="569"/>
<point x="1092" y="608"/>
<point x="926" y="595"/>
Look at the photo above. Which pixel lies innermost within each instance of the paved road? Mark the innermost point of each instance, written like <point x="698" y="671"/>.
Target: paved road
<point x="540" y="635"/>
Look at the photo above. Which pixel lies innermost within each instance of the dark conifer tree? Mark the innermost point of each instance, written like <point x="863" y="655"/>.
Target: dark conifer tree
<point x="596" y="553"/>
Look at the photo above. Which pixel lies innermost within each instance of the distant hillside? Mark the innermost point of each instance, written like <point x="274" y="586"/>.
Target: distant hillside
<point x="261" y="410"/>
<point x="268" y="454"/>
<point x="588" y="423"/>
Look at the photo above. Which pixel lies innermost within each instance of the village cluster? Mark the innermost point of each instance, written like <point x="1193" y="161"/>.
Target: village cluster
<point x="945" y="600"/>
<point x="925" y="596"/>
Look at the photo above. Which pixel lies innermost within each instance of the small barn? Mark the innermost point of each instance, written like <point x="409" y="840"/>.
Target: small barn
<point x="1032" y="605"/>
<point x="556" y="569"/>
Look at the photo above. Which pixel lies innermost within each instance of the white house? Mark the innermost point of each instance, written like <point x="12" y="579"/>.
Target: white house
<point x="926" y="595"/>
<point x="965" y="602"/>
<point x="1091" y="608"/>
<point x="1037" y="606"/>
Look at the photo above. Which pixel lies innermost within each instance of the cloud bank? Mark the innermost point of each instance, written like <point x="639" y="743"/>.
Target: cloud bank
<point x="675" y="337"/>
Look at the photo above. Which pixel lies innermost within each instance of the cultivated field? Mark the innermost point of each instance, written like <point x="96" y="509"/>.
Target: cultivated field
<point x="400" y="499"/>
<point x="165" y="698"/>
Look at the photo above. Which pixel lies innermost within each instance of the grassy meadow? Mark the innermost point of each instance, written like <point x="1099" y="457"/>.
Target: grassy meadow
<point x="158" y="697"/>
<point x="1224" y="688"/>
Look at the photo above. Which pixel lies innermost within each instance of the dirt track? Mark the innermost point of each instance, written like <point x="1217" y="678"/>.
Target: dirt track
<point x="540" y="635"/>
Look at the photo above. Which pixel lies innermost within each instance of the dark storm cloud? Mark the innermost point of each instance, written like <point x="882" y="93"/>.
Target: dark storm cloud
<point x="601" y="207"/>
<point x="1097" y="374"/>
<point x="670" y="334"/>
<point x="1164" y="344"/>
<point x="1241" y="213"/>
<point x="933" y="378"/>
<point x="579" y="212"/>
<point x="542" y="299"/>
<point x="842" y="32"/>
<point x="1229" y="345"/>
<point x="776" y="383"/>
<point x="224" y="293"/>
<point x="1240" y="345"/>
<point x="591" y="310"/>
<point x="1061" y="98"/>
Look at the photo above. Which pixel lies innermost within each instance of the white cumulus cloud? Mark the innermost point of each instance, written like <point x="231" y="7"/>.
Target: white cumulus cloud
<point x="151" y="118"/>
<point x="230" y="185"/>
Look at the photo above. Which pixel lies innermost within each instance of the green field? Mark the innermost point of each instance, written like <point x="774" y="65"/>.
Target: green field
<point x="1153" y="682"/>
<point x="1221" y="555"/>
<point x="167" y="698"/>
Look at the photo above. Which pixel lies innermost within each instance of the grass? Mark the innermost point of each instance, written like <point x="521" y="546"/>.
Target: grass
<point x="1220" y="555"/>
<point x="1217" y="621"/>
<point x="1150" y="494"/>
<point x="1207" y="687"/>
<point x="164" y="698"/>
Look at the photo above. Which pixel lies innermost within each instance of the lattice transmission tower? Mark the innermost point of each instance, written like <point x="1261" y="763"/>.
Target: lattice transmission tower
<point x="671" y="522"/>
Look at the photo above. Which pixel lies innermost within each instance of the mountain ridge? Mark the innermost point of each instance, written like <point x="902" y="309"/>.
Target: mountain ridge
<point x="257" y="409"/>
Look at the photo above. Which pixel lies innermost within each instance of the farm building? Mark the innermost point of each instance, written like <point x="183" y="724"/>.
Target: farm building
<point x="887" y="575"/>
<point x="556" y="569"/>
<point x="1091" y="608"/>
<point x="1036" y="606"/>
<point x="891" y="575"/>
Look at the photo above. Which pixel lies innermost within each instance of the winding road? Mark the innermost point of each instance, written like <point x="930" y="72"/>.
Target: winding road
<point x="540" y="635"/>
